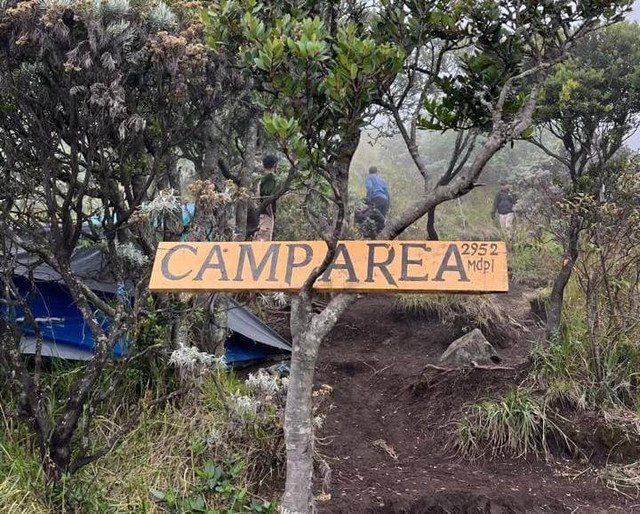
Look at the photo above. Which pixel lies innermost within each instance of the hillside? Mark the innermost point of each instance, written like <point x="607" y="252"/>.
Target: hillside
<point x="387" y="437"/>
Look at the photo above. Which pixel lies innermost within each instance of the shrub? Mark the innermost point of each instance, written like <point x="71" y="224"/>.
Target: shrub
<point x="568" y="374"/>
<point x="515" y="425"/>
<point x="221" y="484"/>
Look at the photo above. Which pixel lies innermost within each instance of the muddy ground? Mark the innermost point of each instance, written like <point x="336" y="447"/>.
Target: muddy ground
<point x="388" y="430"/>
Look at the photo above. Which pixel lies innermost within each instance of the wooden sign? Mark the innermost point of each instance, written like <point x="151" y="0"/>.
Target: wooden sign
<point x="359" y="266"/>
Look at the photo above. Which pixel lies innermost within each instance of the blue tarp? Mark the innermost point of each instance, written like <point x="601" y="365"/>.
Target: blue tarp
<point x="240" y="349"/>
<point x="57" y="316"/>
<point x="66" y="334"/>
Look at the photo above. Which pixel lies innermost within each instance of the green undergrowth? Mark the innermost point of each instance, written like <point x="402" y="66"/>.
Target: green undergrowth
<point x="212" y="450"/>
<point x="567" y="374"/>
<point x="533" y="260"/>
<point x="563" y="389"/>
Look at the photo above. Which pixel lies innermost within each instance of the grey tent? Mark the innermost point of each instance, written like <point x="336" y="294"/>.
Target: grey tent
<point x="242" y="321"/>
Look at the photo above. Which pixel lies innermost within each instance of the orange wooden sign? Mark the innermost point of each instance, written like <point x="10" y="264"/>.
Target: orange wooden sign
<point x="359" y="266"/>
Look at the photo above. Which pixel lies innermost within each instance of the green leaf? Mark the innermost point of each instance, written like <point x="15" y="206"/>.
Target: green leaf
<point x="528" y="133"/>
<point x="158" y="495"/>
<point x="353" y="70"/>
<point x="256" y="505"/>
<point x="197" y="504"/>
<point x="210" y="469"/>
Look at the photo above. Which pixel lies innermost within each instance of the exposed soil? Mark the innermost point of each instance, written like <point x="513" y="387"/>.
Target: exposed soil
<point x="387" y="437"/>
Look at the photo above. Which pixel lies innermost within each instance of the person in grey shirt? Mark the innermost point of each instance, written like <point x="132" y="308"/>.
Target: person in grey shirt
<point x="504" y="205"/>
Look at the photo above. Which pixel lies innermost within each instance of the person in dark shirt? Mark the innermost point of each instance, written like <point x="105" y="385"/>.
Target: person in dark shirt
<point x="268" y="187"/>
<point x="378" y="192"/>
<point x="503" y="205"/>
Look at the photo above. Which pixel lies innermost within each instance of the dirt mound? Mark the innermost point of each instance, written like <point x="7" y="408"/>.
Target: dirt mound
<point x="388" y="431"/>
<point x="602" y="440"/>
<point x="457" y="502"/>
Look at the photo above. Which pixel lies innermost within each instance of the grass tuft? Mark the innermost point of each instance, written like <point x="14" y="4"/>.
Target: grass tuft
<point x="515" y="425"/>
<point x="461" y="311"/>
<point x="21" y="478"/>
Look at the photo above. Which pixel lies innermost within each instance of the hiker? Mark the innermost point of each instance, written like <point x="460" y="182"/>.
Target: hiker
<point x="503" y="205"/>
<point x="268" y="187"/>
<point x="378" y="192"/>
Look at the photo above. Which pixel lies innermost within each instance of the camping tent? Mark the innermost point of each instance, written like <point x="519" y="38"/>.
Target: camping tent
<point x="66" y="335"/>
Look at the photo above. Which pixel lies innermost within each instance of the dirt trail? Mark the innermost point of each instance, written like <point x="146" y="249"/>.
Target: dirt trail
<point x="386" y="441"/>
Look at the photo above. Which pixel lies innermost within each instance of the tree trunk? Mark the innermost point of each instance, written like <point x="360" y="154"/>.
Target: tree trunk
<point x="210" y="157"/>
<point x="29" y="395"/>
<point x="298" y="496"/>
<point x="173" y="172"/>
<point x="593" y="318"/>
<point x="180" y="332"/>
<point x="58" y="461"/>
<point x="554" y="314"/>
<point x="215" y="333"/>
<point x="308" y="332"/>
<point x="431" y="224"/>
<point x="251" y="140"/>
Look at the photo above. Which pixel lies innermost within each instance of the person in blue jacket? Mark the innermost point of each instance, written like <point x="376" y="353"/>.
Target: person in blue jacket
<point x="378" y="192"/>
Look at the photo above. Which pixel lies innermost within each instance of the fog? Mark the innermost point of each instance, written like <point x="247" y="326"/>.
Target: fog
<point x="635" y="16"/>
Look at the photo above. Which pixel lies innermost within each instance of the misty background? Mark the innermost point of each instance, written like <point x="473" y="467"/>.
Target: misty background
<point x="635" y="16"/>
<point x="469" y="216"/>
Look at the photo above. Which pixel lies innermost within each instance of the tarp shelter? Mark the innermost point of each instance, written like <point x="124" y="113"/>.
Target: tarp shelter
<point x="66" y="335"/>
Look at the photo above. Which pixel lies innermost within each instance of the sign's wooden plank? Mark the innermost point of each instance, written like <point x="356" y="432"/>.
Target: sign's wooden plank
<point x="359" y="266"/>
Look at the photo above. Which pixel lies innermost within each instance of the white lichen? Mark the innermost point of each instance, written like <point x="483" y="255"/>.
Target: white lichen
<point x="161" y="16"/>
<point x="192" y="362"/>
<point x="165" y="202"/>
<point x="129" y="252"/>
<point x="264" y="383"/>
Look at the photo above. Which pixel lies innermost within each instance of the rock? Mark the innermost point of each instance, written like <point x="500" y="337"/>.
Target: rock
<point x="470" y="349"/>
